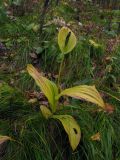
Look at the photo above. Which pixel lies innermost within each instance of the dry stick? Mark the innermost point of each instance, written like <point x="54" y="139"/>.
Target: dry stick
<point x="42" y="17"/>
<point x="57" y="2"/>
<point x="118" y="28"/>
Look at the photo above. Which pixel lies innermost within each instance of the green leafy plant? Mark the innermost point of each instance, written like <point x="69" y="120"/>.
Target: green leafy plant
<point x="66" y="41"/>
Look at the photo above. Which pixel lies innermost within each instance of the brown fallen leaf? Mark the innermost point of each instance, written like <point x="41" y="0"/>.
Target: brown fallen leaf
<point x="33" y="55"/>
<point x="109" y="108"/>
<point x="96" y="137"/>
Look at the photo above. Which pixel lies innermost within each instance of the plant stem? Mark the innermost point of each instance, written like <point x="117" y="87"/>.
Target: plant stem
<point x="43" y="14"/>
<point x="60" y="70"/>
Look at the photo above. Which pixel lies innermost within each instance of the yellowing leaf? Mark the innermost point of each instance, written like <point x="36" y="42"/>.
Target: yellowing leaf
<point x="36" y="28"/>
<point x="72" y="129"/>
<point x="66" y="40"/>
<point x="96" y="137"/>
<point x="47" y="87"/>
<point x="88" y="93"/>
<point x="93" y="43"/>
<point x="4" y="139"/>
<point x="109" y="108"/>
<point x="45" y="111"/>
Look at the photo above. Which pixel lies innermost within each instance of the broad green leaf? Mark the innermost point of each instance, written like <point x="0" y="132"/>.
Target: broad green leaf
<point x="47" y="87"/>
<point x="88" y="93"/>
<point x="72" y="129"/>
<point x="45" y="111"/>
<point x="66" y="40"/>
<point x="4" y="139"/>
